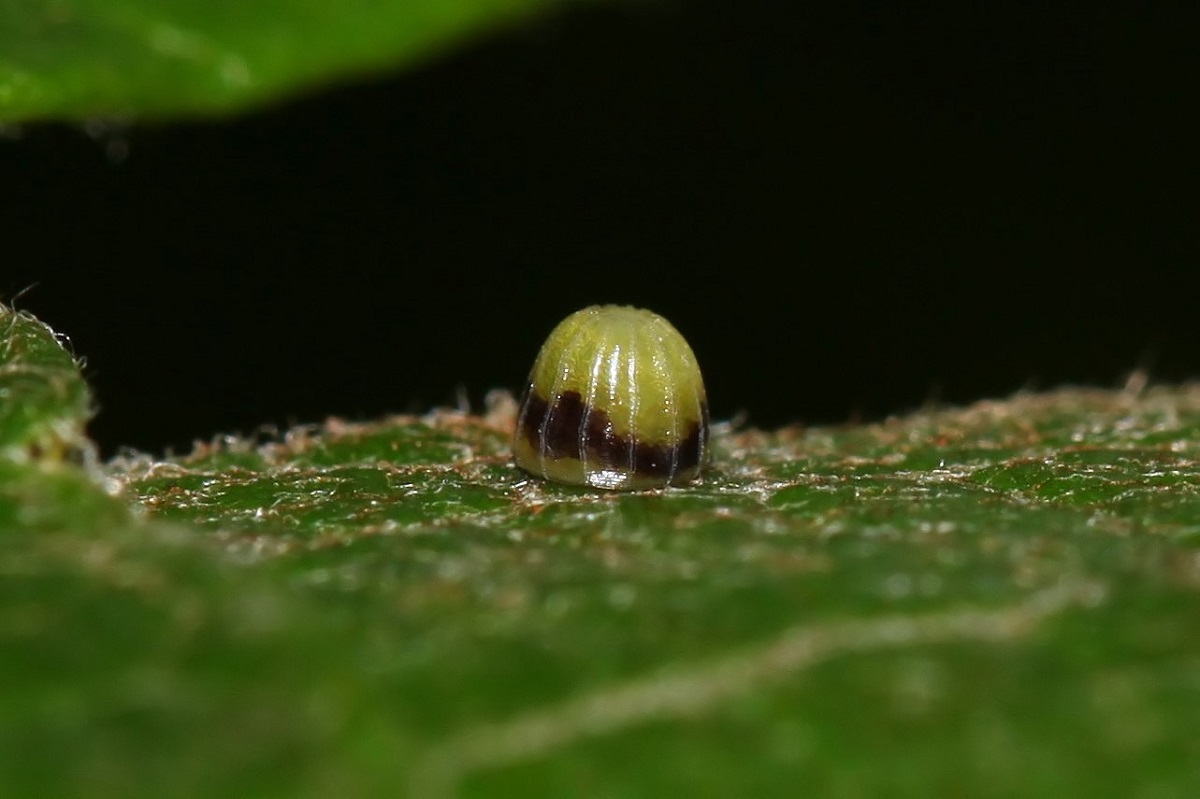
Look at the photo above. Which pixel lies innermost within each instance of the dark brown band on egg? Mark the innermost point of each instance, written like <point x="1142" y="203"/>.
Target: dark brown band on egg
<point x="562" y="429"/>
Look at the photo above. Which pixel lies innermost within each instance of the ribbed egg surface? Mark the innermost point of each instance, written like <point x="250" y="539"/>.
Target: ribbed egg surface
<point x="615" y="400"/>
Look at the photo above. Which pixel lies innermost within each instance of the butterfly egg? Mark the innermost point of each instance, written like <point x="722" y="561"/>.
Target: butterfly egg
<point x="615" y="400"/>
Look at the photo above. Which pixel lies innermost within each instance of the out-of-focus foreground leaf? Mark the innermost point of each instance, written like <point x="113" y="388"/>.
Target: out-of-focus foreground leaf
<point x="1002" y="600"/>
<point x="43" y="399"/>
<point x="74" y="59"/>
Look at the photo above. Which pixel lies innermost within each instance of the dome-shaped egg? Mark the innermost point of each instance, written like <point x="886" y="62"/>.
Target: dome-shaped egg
<point x="615" y="400"/>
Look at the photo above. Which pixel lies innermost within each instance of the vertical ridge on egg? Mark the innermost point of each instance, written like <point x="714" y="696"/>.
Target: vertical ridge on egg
<point x="615" y="400"/>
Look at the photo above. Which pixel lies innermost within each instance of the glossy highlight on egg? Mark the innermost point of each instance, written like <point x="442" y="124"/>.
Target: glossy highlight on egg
<point x="615" y="400"/>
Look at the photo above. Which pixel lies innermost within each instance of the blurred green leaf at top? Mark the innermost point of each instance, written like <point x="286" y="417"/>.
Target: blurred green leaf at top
<point x="77" y="59"/>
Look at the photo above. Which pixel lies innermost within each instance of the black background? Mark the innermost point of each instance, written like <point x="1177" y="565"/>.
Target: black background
<point x="848" y="212"/>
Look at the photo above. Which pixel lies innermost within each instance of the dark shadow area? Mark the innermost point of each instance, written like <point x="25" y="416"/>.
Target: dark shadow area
<point x="847" y="212"/>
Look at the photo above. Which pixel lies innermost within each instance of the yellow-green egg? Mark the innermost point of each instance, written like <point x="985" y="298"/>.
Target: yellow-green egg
<point x="615" y="400"/>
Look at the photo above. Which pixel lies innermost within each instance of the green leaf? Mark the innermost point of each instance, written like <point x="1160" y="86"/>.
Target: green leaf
<point x="44" y="401"/>
<point x="1002" y="600"/>
<point x="74" y="59"/>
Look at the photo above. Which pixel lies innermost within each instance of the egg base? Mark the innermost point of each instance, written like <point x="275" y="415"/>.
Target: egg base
<point x="574" y="471"/>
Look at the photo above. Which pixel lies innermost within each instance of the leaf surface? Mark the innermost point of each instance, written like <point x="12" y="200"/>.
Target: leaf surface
<point x="999" y="600"/>
<point x="44" y="402"/>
